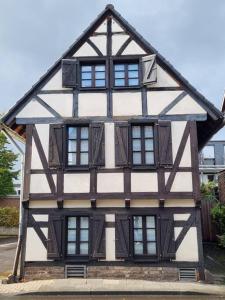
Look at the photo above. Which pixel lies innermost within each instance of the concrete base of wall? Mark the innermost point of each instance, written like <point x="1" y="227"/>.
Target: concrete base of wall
<point x="109" y="272"/>
<point x="12" y="231"/>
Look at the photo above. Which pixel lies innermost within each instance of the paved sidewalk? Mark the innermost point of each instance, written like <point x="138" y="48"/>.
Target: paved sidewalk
<point x="107" y="286"/>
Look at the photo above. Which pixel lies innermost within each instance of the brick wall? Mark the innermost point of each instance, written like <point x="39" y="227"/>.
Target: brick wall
<point x="12" y="201"/>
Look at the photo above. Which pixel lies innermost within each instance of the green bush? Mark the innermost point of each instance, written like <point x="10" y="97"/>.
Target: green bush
<point x="218" y="215"/>
<point x="9" y="216"/>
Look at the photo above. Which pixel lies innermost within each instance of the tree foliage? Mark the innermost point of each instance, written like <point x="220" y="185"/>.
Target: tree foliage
<point x="7" y="162"/>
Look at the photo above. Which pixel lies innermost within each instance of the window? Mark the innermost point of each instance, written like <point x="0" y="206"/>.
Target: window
<point x="93" y="76"/>
<point x="78" y="148"/>
<point x="209" y="155"/>
<point x="142" y="145"/>
<point x="126" y="74"/>
<point x="77" y="236"/>
<point x="144" y="235"/>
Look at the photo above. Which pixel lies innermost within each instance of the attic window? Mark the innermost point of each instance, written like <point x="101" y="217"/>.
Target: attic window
<point x="93" y="76"/>
<point x="126" y="74"/>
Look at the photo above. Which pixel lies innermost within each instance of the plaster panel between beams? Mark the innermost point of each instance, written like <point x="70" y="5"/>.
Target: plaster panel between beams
<point x="132" y="49"/>
<point x="127" y="104"/>
<point x="100" y="42"/>
<point x="164" y="79"/>
<point x="117" y="41"/>
<point x="110" y="183"/>
<point x="33" y="109"/>
<point x="61" y="103"/>
<point x="144" y="182"/>
<point x="85" y="50"/>
<point x="92" y="104"/>
<point x="55" y="83"/>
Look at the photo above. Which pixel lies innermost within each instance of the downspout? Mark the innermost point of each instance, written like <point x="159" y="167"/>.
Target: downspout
<point x="13" y="277"/>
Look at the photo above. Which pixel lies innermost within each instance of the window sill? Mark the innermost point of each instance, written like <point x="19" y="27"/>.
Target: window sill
<point x="80" y="169"/>
<point x="141" y="168"/>
<point x="91" y="89"/>
<point x="116" y="88"/>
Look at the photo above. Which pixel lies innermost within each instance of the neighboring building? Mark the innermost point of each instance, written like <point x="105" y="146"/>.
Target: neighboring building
<point x="111" y="180"/>
<point x="212" y="160"/>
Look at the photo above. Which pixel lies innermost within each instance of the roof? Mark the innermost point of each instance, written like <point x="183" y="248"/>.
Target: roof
<point x="212" y="111"/>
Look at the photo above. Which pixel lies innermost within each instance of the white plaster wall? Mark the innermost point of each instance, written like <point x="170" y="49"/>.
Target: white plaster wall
<point x="116" y="26"/>
<point x="100" y="42"/>
<point x="179" y="203"/>
<point x="55" y="83"/>
<point x="133" y="48"/>
<point x="188" y="250"/>
<point x="35" y="250"/>
<point x="127" y="104"/>
<point x="186" y="157"/>
<point x="85" y="50"/>
<point x="177" y="129"/>
<point x="144" y="182"/>
<point x="39" y="183"/>
<point x="110" y="183"/>
<point x="77" y="183"/>
<point x="40" y="218"/>
<point x="186" y="106"/>
<point x="92" y="104"/>
<point x="110" y="244"/>
<point x="144" y="203"/>
<point x="110" y="203"/>
<point x="102" y="28"/>
<point x="76" y="203"/>
<point x="35" y="158"/>
<point x="61" y="103"/>
<point x="158" y="100"/>
<point x="109" y="146"/>
<point x="181" y="217"/>
<point x="33" y="109"/>
<point x="182" y="182"/>
<point x="117" y="41"/>
<point x="164" y="79"/>
<point x="110" y="218"/>
<point x="43" y="204"/>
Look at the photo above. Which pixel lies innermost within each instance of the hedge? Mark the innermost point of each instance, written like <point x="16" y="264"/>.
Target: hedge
<point x="9" y="216"/>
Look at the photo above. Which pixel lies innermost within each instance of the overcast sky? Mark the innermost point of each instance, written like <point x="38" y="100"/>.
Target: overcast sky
<point x="35" y="33"/>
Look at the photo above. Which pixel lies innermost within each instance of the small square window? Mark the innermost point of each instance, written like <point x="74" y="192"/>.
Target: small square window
<point x="126" y="74"/>
<point x="93" y="75"/>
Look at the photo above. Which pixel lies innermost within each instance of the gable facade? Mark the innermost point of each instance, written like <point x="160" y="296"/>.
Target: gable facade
<point x="111" y="163"/>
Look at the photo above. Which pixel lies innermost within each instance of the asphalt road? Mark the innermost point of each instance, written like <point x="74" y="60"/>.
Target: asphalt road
<point x="7" y="254"/>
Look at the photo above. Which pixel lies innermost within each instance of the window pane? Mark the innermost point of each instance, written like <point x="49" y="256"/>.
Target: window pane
<point x="148" y="131"/>
<point x="83" y="248"/>
<point x="138" y="235"/>
<point x="133" y="74"/>
<point x="151" y="235"/>
<point x="208" y="152"/>
<point x="136" y="131"/>
<point x="71" y="248"/>
<point x="151" y="248"/>
<point x="133" y="67"/>
<point x="84" y="146"/>
<point x="119" y="67"/>
<point x="86" y="68"/>
<point x="100" y="68"/>
<point x="84" y="158"/>
<point x="137" y="222"/>
<point x="84" y="221"/>
<point x="149" y="144"/>
<point x="150" y="222"/>
<point x="100" y="75"/>
<point x="86" y="83"/>
<point x="71" y="235"/>
<point x="84" y="235"/>
<point x="138" y="248"/>
<point x="72" y="158"/>
<point x="119" y="82"/>
<point x="136" y="145"/>
<point x="99" y="82"/>
<point x="72" y="146"/>
<point x="137" y="158"/>
<point x="119" y="74"/>
<point x="132" y="82"/>
<point x="86" y="75"/>
<point x="84" y="133"/>
<point x="149" y="158"/>
<point x="72" y="222"/>
<point x="72" y="132"/>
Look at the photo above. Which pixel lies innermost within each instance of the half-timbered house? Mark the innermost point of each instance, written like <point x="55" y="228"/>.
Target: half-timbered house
<point x="111" y="178"/>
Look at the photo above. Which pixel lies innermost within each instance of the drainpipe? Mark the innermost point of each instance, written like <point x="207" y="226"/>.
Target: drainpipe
<point x="13" y="277"/>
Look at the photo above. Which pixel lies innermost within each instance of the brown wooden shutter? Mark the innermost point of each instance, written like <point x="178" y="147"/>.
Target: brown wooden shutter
<point x="122" y="236"/>
<point x="149" y="69"/>
<point x="54" y="245"/>
<point x="165" y="143"/>
<point x="69" y="72"/>
<point x="97" y="144"/>
<point x="55" y="158"/>
<point x="167" y="240"/>
<point x="98" y="236"/>
<point x="122" y="144"/>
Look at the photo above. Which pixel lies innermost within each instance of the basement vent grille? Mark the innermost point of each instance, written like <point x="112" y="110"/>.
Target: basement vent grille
<point x="72" y="271"/>
<point x="187" y="274"/>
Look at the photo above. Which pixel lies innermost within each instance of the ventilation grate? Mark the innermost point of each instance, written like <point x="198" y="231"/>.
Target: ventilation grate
<point x="72" y="271"/>
<point x="187" y="274"/>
